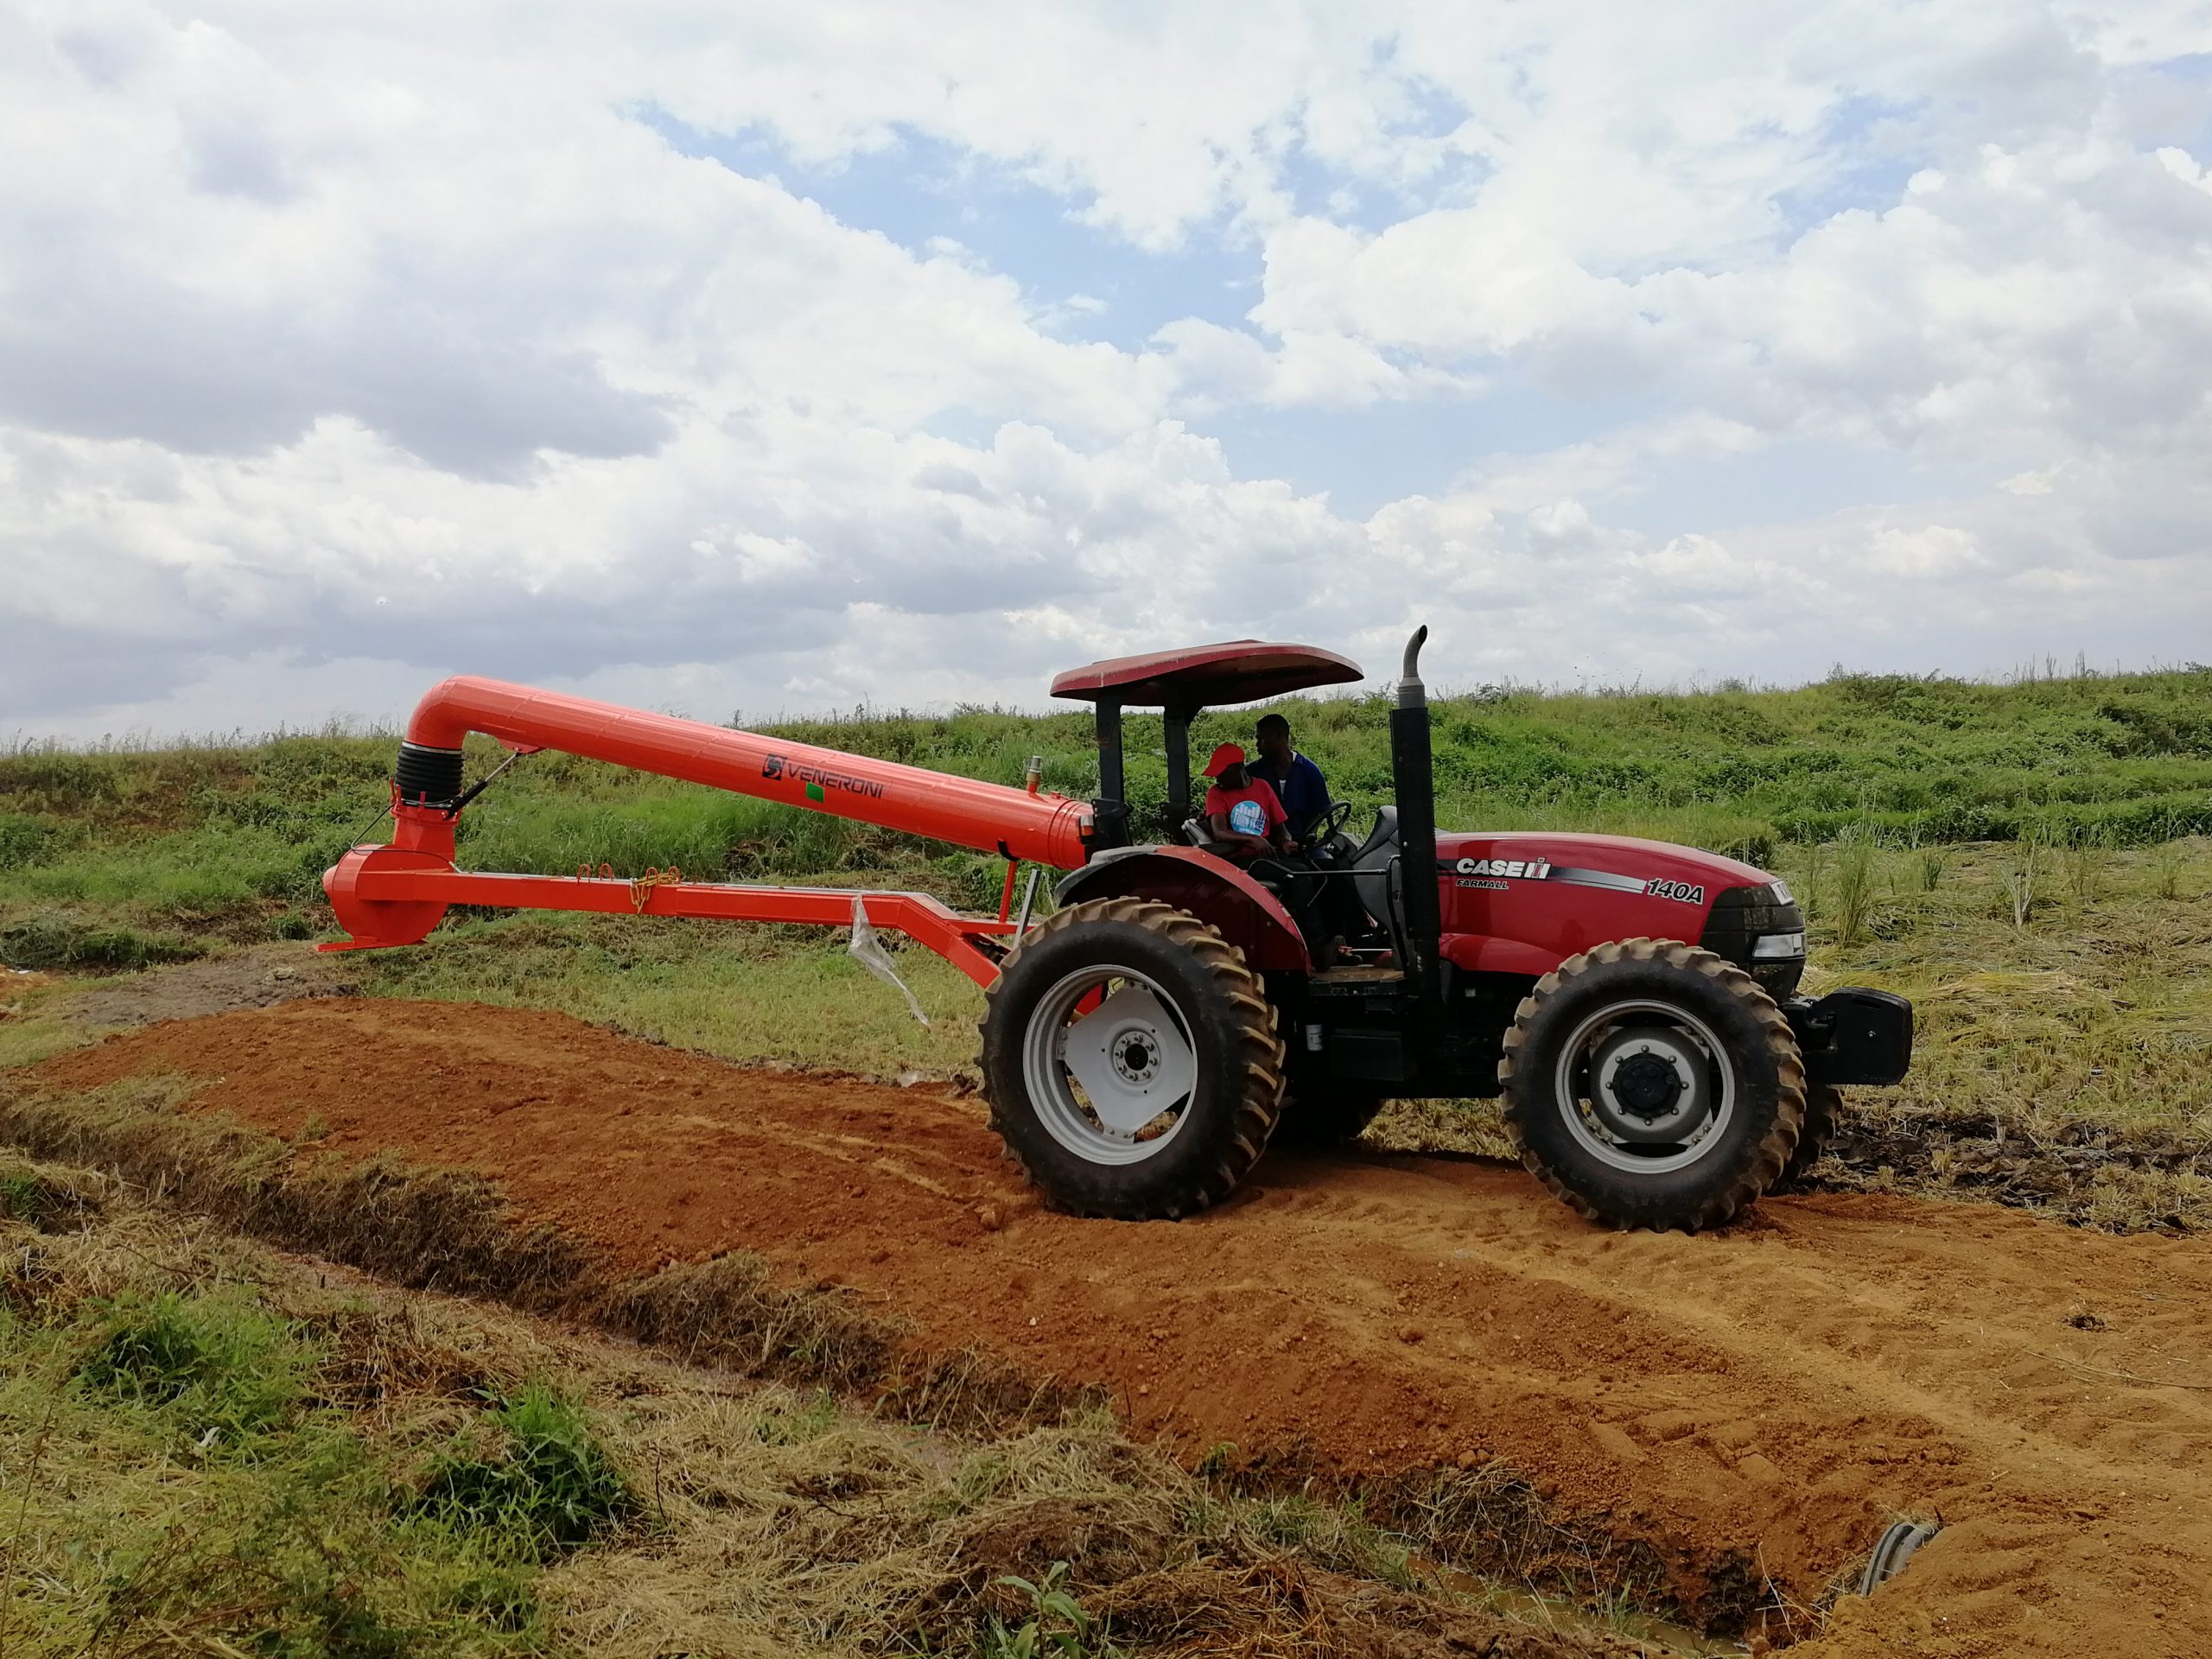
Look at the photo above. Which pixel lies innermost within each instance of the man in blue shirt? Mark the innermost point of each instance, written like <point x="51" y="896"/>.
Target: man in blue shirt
<point x="1297" y="781"/>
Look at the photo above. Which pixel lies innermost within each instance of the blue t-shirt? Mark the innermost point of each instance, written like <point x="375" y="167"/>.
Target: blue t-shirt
<point x="1303" y="792"/>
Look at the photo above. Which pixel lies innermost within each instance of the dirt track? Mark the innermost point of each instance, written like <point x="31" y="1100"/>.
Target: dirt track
<point x="1784" y="1389"/>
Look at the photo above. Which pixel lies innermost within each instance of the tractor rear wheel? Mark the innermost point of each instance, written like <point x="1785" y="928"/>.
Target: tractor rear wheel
<point x="1131" y="1061"/>
<point x="1649" y="1084"/>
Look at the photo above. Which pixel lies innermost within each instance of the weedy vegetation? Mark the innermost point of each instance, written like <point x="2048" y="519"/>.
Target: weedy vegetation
<point x="117" y="856"/>
<point x="187" y="1471"/>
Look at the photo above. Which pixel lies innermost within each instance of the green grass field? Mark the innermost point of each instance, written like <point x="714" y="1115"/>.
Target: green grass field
<point x="117" y="856"/>
<point x="2027" y="861"/>
<point x="201" y="1456"/>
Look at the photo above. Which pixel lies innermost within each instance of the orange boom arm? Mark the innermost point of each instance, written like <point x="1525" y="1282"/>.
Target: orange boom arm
<point x="394" y="894"/>
<point x="990" y="818"/>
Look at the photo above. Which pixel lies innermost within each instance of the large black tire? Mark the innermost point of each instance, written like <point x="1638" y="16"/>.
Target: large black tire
<point x="1327" y="1113"/>
<point x="1822" y="1103"/>
<point x="1222" y="1008"/>
<point x="1757" y="1061"/>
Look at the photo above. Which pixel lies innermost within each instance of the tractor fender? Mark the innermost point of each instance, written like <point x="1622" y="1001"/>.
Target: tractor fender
<point x="1212" y="889"/>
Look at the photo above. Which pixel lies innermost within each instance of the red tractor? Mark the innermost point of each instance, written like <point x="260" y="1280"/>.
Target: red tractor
<point x="1635" y="1002"/>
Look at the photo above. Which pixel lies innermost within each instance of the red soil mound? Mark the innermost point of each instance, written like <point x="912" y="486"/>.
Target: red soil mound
<point x="1786" y="1388"/>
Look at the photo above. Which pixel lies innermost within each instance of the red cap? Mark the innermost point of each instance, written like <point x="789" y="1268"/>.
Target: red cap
<point x="1228" y="755"/>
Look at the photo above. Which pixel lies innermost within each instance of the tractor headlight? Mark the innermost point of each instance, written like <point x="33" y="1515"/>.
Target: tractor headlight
<point x="1771" y="947"/>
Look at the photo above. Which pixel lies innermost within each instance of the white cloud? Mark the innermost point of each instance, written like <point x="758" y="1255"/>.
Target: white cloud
<point x="1926" y="552"/>
<point x="1563" y="523"/>
<point x="337" y="349"/>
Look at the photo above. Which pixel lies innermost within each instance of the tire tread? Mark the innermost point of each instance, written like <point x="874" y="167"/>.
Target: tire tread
<point x="1822" y="1103"/>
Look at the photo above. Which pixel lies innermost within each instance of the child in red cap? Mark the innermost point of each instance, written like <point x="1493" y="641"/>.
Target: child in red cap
<point x="1242" y="811"/>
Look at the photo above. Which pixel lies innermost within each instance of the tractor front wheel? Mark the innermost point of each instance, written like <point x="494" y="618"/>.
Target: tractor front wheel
<point x="1131" y="1061"/>
<point x="1822" y="1103"/>
<point x="1649" y="1084"/>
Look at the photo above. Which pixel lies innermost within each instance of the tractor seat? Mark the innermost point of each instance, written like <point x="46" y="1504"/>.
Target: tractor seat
<point x="1371" y="865"/>
<point x="1200" y="835"/>
<point x="1385" y="833"/>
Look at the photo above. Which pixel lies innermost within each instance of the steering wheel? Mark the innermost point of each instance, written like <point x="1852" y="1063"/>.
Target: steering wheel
<point x="1325" y="828"/>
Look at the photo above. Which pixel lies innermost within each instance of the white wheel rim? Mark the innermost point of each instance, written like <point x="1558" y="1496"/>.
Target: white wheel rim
<point x="1621" y="1125"/>
<point x="1114" y="1084"/>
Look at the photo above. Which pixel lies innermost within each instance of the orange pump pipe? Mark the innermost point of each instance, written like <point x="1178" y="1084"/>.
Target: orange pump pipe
<point x="394" y="894"/>
<point x="990" y="818"/>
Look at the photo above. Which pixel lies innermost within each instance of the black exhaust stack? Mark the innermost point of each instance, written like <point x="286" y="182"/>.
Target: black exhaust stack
<point x="1413" y="775"/>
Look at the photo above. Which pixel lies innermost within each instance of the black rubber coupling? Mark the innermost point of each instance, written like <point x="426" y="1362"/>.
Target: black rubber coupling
<point x="428" y="777"/>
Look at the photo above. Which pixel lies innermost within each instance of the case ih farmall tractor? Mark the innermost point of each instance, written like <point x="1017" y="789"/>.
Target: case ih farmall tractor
<point x="1635" y="1002"/>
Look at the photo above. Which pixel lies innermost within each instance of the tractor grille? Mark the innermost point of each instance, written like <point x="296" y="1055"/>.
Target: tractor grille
<point x="1739" y="918"/>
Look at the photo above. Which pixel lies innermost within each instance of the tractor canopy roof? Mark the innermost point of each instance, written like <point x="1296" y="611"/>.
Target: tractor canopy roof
<point x="1206" y="677"/>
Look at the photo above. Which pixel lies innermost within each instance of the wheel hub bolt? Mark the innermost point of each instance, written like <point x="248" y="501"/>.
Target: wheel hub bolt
<point x="1647" y="1085"/>
<point x="1136" y="1059"/>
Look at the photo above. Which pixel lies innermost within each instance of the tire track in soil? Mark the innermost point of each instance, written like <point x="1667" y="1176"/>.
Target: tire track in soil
<point x="1785" y="1388"/>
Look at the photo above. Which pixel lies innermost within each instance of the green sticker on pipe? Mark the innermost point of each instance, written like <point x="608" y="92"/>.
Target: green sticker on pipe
<point x="814" y="792"/>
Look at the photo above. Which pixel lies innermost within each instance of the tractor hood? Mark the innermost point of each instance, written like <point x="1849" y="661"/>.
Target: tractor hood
<point x="1525" y="901"/>
<point x="1615" y="863"/>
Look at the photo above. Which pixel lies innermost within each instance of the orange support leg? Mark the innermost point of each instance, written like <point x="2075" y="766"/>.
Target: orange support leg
<point x="395" y="895"/>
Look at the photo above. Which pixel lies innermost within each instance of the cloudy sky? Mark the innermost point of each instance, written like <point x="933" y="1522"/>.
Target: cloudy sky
<point x="776" y="358"/>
